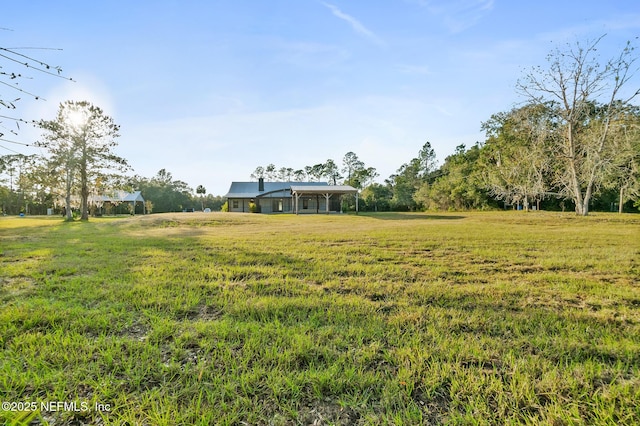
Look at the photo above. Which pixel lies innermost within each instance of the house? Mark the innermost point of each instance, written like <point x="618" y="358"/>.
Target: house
<point x="287" y="197"/>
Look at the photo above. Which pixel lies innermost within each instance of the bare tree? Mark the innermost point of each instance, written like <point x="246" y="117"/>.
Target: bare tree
<point x="574" y="83"/>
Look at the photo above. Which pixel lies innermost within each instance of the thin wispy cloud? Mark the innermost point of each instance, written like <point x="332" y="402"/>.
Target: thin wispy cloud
<point x="355" y="24"/>
<point x="457" y="15"/>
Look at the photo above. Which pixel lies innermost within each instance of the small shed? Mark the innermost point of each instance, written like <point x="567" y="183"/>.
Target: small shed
<point x="134" y="198"/>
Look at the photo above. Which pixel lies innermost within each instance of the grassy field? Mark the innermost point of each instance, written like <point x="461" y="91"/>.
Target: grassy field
<point x="469" y="318"/>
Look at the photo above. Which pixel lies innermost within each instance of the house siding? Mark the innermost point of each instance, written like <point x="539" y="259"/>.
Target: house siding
<point x="242" y="205"/>
<point x="276" y="198"/>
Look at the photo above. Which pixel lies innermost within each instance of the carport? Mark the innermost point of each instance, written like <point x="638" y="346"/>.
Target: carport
<point x="327" y="191"/>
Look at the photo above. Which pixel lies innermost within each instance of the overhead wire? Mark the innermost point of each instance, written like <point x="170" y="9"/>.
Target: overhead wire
<point x="9" y="149"/>
<point x="28" y="65"/>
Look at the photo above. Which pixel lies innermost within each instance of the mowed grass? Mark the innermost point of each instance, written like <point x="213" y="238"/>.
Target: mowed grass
<point x="470" y="318"/>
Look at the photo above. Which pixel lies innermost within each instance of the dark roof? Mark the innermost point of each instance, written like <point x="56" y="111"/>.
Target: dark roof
<point x="322" y="189"/>
<point x="250" y="189"/>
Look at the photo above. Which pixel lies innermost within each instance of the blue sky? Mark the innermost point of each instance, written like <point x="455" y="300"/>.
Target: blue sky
<point x="211" y="89"/>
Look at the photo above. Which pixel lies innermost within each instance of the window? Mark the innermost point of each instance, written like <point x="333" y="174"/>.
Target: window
<point x="305" y="203"/>
<point x="235" y="204"/>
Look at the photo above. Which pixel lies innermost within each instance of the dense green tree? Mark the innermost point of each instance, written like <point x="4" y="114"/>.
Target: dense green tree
<point x="22" y="187"/>
<point x="427" y="159"/>
<point x="166" y="194"/>
<point x="458" y="187"/>
<point x="331" y="172"/>
<point x="351" y="165"/>
<point x="363" y="177"/>
<point x="410" y="177"/>
<point x="214" y="202"/>
<point x="404" y="184"/>
<point x="376" y="197"/>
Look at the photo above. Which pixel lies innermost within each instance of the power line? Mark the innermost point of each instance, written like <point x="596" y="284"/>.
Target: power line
<point x="45" y="69"/>
<point x="8" y="149"/>
<point x="17" y="143"/>
<point x="20" y="90"/>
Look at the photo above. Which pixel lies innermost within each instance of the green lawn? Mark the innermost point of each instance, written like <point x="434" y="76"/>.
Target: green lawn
<point x="465" y="318"/>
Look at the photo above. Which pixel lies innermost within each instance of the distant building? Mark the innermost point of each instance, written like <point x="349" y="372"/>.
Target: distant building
<point x="287" y="197"/>
<point x="119" y="197"/>
<point x="101" y="201"/>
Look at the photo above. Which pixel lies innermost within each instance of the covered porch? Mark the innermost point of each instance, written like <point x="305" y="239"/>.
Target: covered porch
<point x="299" y="193"/>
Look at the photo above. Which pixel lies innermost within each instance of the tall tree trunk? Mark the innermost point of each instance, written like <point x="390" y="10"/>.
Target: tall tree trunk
<point x="585" y="201"/>
<point x="578" y="199"/>
<point x="573" y="169"/>
<point x="84" y="187"/>
<point x="621" y="200"/>
<point x="67" y="197"/>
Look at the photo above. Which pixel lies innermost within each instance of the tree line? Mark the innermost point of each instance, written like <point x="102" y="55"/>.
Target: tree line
<point x="28" y="185"/>
<point x="352" y="172"/>
<point x="573" y="144"/>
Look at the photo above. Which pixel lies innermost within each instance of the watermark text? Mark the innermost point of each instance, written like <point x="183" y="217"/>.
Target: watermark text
<point x="53" y="406"/>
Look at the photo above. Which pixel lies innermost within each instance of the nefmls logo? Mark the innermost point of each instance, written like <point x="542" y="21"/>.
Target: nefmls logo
<point x="73" y="406"/>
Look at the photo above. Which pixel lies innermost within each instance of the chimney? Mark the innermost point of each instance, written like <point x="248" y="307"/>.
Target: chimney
<point x="260" y="185"/>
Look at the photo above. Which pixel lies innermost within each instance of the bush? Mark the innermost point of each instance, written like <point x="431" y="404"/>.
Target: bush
<point x="225" y="207"/>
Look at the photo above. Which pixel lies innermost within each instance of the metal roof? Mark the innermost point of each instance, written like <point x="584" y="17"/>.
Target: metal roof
<point x="319" y="189"/>
<point x="119" y="196"/>
<point x="134" y="196"/>
<point x="250" y="189"/>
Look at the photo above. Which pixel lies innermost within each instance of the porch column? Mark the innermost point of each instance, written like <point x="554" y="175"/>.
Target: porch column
<point x="296" y="199"/>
